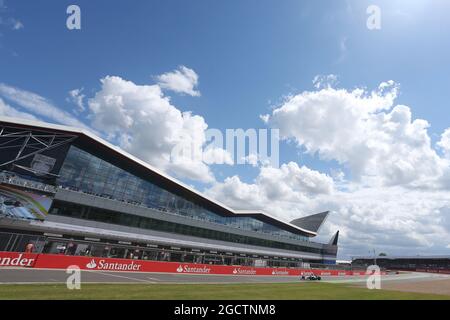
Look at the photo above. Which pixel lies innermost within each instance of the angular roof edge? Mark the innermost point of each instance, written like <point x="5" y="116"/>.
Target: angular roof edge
<point x="253" y="213"/>
<point x="313" y="222"/>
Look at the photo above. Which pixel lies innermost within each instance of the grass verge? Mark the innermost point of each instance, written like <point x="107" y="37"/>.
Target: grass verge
<point x="276" y="291"/>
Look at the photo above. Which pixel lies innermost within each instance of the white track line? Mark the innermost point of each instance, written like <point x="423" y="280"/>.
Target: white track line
<point x="124" y="277"/>
<point x="154" y="279"/>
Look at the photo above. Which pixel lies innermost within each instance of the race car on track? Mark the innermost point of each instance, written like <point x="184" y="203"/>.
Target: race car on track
<point x="311" y="276"/>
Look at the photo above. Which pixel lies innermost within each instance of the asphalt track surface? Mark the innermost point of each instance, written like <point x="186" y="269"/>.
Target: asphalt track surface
<point x="36" y="276"/>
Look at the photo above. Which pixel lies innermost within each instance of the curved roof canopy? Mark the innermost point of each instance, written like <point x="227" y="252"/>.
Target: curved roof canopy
<point x="312" y="222"/>
<point x="86" y="138"/>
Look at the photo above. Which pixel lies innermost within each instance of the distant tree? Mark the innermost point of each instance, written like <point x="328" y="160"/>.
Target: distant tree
<point x="382" y="254"/>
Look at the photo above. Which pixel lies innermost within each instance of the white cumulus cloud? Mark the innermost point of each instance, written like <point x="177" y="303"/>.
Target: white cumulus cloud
<point x="275" y="189"/>
<point x="380" y="142"/>
<point x="389" y="219"/>
<point x="396" y="197"/>
<point x="444" y="143"/>
<point x="76" y="97"/>
<point x="146" y="124"/>
<point x="184" y="80"/>
<point x="140" y="118"/>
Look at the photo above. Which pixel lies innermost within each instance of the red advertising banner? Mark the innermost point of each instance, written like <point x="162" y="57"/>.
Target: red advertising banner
<point x="107" y="264"/>
<point x="15" y="259"/>
<point x="50" y="261"/>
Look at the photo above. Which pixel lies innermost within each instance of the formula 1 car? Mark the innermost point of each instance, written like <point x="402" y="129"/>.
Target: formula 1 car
<point x="311" y="277"/>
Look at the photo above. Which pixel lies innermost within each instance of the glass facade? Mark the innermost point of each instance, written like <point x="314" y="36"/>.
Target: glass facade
<point x="85" y="172"/>
<point x="94" y="214"/>
<point x="79" y="246"/>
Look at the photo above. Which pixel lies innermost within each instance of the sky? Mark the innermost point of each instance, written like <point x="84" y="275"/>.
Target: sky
<point x="362" y="113"/>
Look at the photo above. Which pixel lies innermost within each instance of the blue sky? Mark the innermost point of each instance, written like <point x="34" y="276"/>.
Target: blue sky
<point x="249" y="55"/>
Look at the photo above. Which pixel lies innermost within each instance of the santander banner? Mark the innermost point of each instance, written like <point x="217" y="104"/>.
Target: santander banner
<point x="14" y="259"/>
<point x="49" y="261"/>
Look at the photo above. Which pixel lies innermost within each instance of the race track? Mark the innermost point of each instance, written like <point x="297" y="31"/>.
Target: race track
<point x="27" y="276"/>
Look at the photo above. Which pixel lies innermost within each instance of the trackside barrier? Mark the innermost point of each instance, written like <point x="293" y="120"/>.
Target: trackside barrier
<point x="443" y="271"/>
<point x="50" y="261"/>
<point x="15" y="259"/>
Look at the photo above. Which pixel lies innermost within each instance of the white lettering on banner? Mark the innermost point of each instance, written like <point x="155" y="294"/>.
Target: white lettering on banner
<point x="280" y="272"/>
<point x="19" y="261"/>
<point x="244" y="271"/>
<point x="187" y="269"/>
<point x="114" y="266"/>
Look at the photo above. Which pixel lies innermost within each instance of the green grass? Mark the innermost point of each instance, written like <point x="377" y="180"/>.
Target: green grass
<point x="206" y="292"/>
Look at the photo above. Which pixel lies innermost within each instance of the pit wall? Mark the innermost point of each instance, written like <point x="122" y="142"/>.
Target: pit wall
<point x="49" y="261"/>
